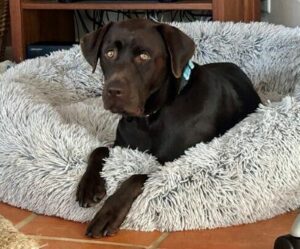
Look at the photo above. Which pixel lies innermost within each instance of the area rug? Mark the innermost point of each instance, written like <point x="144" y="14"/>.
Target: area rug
<point x="11" y="238"/>
<point x="52" y="117"/>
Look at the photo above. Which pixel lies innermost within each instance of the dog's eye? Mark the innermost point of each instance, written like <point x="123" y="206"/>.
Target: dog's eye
<point x="111" y="54"/>
<point x="144" y="56"/>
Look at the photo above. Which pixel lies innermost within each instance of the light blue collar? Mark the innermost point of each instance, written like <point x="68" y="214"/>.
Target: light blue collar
<point x="186" y="75"/>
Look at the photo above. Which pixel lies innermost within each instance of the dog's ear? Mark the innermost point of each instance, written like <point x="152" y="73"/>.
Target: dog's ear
<point x="91" y="45"/>
<point x="180" y="47"/>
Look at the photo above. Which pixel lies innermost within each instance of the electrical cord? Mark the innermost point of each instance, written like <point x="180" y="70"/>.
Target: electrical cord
<point x="77" y="38"/>
<point x="83" y="24"/>
<point x="99" y="17"/>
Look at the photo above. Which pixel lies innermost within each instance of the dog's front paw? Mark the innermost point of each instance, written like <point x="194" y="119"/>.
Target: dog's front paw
<point x="108" y="220"/>
<point x="91" y="189"/>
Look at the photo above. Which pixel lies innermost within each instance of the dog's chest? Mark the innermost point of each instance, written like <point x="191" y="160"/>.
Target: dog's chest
<point x="164" y="141"/>
<point x="133" y="133"/>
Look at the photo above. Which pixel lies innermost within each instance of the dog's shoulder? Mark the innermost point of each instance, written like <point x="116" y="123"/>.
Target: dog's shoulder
<point x="219" y="67"/>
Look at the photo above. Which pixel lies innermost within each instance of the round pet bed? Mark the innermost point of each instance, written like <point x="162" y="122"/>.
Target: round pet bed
<point x="52" y="117"/>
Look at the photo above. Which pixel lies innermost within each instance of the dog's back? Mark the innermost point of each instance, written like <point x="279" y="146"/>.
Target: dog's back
<point x="232" y="95"/>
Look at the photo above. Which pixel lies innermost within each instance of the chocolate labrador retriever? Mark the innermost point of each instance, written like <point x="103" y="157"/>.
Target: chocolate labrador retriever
<point x="167" y="103"/>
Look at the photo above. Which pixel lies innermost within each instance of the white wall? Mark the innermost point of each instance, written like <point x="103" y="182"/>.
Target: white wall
<point x="286" y="12"/>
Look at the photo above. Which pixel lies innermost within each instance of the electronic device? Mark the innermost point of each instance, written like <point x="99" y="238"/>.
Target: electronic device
<point x="45" y="48"/>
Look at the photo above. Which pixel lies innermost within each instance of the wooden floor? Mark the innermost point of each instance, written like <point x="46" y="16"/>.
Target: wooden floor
<point x="55" y="233"/>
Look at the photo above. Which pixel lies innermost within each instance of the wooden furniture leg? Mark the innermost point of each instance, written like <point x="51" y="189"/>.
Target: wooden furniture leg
<point x="16" y="27"/>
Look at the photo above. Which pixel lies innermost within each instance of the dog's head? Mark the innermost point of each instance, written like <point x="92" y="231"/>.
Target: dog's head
<point x="137" y="56"/>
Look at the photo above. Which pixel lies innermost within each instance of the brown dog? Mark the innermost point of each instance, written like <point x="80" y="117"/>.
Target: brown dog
<point x="166" y="104"/>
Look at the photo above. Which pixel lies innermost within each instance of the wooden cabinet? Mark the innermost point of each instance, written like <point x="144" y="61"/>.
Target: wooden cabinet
<point x="47" y="20"/>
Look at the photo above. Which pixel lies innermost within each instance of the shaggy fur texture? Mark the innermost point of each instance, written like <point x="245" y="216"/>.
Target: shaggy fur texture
<point x="52" y="117"/>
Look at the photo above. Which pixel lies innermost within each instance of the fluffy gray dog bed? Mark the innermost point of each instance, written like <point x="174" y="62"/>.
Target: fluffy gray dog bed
<point x="52" y="118"/>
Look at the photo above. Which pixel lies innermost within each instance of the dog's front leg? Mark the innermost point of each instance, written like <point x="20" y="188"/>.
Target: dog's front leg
<point x="91" y="188"/>
<point x="108" y="220"/>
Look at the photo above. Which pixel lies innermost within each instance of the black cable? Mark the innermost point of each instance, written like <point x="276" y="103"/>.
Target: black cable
<point x="85" y="28"/>
<point x="136" y="14"/>
<point x="88" y="15"/>
<point x="107" y="15"/>
<point x="186" y="14"/>
<point x="127" y="14"/>
<point x="174" y="17"/>
<point x="101" y="17"/>
<point x="94" y="20"/>
<point x="77" y="27"/>
<point x="157" y="15"/>
<point x="118" y="15"/>
<point x="180" y="16"/>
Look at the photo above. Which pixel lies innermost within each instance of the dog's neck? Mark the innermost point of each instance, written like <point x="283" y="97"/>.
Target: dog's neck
<point x="172" y="87"/>
<point x="161" y="97"/>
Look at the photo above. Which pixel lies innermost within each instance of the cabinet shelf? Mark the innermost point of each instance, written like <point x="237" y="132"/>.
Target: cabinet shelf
<point x="122" y="5"/>
<point x="48" y="20"/>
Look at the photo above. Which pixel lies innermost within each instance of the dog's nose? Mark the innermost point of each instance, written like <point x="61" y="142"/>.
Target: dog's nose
<point x="115" y="91"/>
